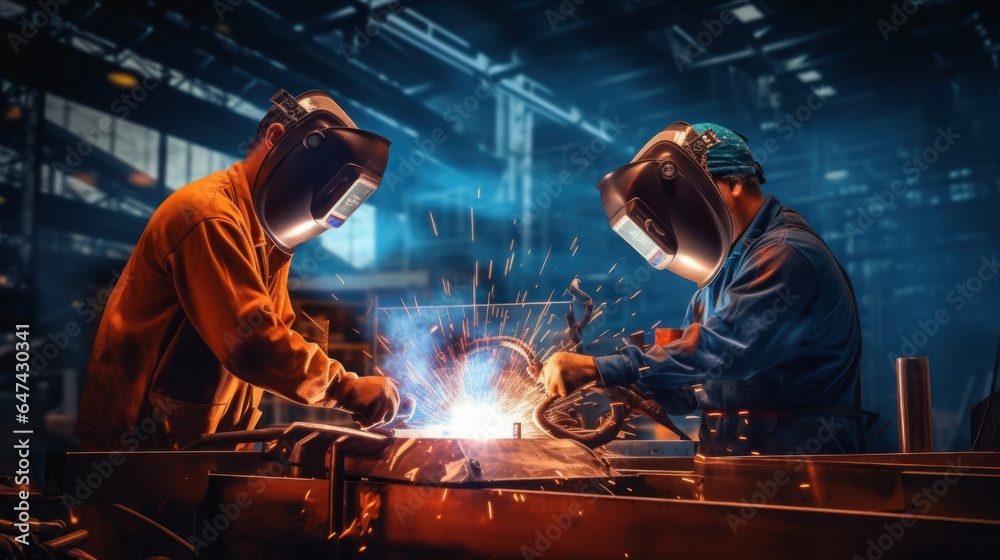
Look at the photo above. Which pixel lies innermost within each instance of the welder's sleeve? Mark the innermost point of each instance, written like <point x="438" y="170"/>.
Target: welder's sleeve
<point x="222" y="295"/>
<point x="765" y="311"/>
<point x="282" y="301"/>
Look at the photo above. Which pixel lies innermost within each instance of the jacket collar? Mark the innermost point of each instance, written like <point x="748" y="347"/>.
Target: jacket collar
<point x="760" y="223"/>
<point x="244" y="198"/>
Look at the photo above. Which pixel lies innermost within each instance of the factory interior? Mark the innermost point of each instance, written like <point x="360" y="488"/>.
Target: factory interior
<point x="877" y="121"/>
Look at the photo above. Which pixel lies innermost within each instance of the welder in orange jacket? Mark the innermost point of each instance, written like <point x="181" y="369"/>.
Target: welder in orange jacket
<point x="199" y="325"/>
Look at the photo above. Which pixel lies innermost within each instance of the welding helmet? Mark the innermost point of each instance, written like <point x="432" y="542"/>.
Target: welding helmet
<point x="666" y="205"/>
<point x="318" y="172"/>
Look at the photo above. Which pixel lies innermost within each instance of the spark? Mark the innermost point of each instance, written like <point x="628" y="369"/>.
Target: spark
<point x="544" y="262"/>
<point x="612" y="268"/>
<point x="433" y="225"/>
<point x="804" y="485"/>
<point x="489" y="506"/>
<point x="477" y="395"/>
<point x="334" y="296"/>
<point x="656" y="324"/>
<point x="472" y="222"/>
<point x="339" y="278"/>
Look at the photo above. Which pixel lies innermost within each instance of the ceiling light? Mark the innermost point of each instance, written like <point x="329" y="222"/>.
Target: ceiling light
<point x="748" y="13"/>
<point x="810" y="76"/>
<point x="122" y="79"/>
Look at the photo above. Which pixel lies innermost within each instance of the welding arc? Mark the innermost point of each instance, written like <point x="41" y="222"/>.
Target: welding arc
<point x="604" y="434"/>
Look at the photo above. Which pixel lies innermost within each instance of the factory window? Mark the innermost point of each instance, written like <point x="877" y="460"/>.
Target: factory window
<point x="962" y="191"/>
<point x="355" y="240"/>
<point x="89" y="132"/>
<point x="189" y="162"/>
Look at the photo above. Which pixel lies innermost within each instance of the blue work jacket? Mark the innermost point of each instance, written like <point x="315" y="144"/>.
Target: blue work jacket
<point x="771" y="350"/>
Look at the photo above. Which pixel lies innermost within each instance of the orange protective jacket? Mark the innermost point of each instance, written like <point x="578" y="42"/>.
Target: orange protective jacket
<point x="198" y="326"/>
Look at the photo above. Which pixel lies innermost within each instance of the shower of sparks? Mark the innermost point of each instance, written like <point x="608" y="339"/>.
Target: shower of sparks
<point x="464" y="387"/>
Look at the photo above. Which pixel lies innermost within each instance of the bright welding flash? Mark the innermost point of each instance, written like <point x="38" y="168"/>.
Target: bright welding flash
<point x="471" y="421"/>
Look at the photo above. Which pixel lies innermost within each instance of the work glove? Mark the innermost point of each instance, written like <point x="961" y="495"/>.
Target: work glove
<point x="566" y="372"/>
<point x="373" y="401"/>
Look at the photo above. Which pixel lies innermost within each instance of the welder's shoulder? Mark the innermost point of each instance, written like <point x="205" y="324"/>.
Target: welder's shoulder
<point x="210" y="198"/>
<point x="799" y="247"/>
<point x="207" y="198"/>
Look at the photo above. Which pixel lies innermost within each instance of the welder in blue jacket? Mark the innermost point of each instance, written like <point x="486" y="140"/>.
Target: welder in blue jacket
<point x="771" y="349"/>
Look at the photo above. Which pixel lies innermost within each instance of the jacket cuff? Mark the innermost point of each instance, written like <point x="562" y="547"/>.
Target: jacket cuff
<point x="614" y="370"/>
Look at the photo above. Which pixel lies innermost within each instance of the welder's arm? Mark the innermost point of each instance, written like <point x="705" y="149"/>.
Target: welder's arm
<point x="223" y="296"/>
<point x="768" y="309"/>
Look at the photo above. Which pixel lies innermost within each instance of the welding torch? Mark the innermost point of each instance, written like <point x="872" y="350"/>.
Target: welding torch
<point x="626" y="401"/>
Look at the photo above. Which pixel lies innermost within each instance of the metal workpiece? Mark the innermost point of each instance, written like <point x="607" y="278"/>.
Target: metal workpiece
<point x="419" y="497"/>
<point x="500" y="524"/>
<point x="913" y="393"/>
<point x="470" y="461"/>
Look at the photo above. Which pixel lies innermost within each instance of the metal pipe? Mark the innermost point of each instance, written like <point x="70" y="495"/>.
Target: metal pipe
<point x="913" y="393"/>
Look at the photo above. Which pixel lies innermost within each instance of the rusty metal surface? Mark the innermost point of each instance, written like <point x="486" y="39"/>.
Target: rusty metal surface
<point x="422" y="522"/>
<point x="649" y="448"/>
<point x="468" y="461"/>
<point x="886" y="483"/>
<point x="142" y="476"/>
<point x="277" y="518"/>
<point x="423" y="498"/>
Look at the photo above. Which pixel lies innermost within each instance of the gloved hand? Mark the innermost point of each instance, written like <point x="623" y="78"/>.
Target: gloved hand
<point x="373" y="400"/>
<point x="566" y="372"/>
